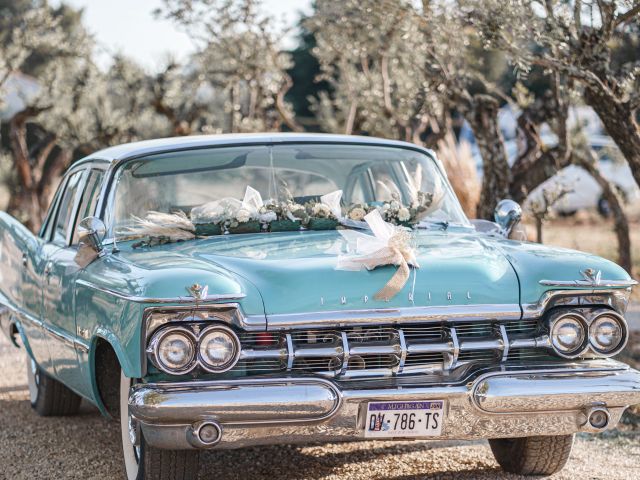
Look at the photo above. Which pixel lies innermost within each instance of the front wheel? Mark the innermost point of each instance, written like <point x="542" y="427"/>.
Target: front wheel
<point x="143" y="462"/>
<point x="49" y="397"/>
<point x="532" y="455"/>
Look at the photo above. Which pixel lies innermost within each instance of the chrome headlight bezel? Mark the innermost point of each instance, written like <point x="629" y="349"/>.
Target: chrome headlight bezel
<point x="229" y="364"/>
<point x="577" y="319"/>
<point x="156" y="343"/>
<point x="588" y="319"/>
<point x="620" y="321"/>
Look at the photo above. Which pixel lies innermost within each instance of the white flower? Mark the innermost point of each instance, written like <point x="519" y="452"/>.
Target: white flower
<point x="269" y="216"/>
<point x="357" y="213"/>
<point x="395" y="204"/>
<point x="321" y="210"/>
<point x="404" y="215"/>
<point x="243" y="215"/>
<point x="385" y="207"/>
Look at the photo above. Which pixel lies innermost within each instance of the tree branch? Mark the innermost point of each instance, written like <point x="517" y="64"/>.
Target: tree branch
<point x="628" y="15"/>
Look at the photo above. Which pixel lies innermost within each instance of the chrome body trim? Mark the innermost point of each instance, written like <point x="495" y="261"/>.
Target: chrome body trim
<point x="237" y="402"/>
<point x="506" y="402"/>
<point x="589" y="284"/>
<point x="165" y="300"/>
<point x="617" y="299"/>
<point x="340" y="318"/>
<point x="499" y="393"/>
<point x="227" y="313"/>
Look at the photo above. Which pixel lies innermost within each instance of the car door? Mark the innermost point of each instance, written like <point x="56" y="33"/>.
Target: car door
<point x="60" y="275"/>
<point x="33" y="263"/>
<point x="57" y="283"/>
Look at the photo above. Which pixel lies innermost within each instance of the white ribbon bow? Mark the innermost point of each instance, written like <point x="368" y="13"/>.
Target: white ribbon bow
<point x="389" y="245"/>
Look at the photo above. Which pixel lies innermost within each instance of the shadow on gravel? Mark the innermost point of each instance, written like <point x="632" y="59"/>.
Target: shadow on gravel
<point x="314" y="462"/>
<point x="475" y="474"/>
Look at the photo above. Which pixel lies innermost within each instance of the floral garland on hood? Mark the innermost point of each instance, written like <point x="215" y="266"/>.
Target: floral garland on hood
<point x="252" y="215"/>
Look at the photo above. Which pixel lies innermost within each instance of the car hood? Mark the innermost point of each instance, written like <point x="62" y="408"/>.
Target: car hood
<point x="296" y="272"/>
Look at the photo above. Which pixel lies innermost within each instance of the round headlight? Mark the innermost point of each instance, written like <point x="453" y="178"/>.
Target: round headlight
<point x="175" y="350"/>
<point x="219" y="348"/>
<point x="606" y="334"/>
<point x="568" y="334"/>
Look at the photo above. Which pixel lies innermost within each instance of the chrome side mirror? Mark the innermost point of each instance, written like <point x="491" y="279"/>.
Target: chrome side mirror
<point x="91" y="232"/>
<point x="507" y="215"/>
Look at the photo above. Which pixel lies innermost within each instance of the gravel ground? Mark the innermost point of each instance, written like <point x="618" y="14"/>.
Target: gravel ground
<point x="87" y="446"/>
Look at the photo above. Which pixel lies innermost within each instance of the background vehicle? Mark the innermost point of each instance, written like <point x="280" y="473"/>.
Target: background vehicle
<point x="584" y="192"/>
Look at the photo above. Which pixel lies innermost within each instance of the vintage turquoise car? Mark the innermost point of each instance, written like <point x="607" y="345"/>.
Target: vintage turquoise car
<point x="356" y="301"/>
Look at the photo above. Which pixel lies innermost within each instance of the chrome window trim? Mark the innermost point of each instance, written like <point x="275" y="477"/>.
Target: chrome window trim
<point x="74" y="209"/>
<point x="52" y="213"/>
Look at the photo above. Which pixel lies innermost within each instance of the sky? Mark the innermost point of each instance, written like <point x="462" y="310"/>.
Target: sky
<point x="128" y="26"/>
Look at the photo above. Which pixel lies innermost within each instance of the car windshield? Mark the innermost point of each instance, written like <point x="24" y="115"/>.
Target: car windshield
<point x="301" y="173"/>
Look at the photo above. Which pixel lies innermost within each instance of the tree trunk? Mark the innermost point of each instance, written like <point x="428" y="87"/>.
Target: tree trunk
<point x="621" y="224"/>
<point x="538" y="229"/>
<point x="483" y="118"/>
<point x="24" y="205"/>
<point x="620" y="123"/>
<point x="536" y="164"/>
<point x="37" y="169"/>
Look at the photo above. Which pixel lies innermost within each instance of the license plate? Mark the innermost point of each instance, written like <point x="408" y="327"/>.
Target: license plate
<point x="404" y="419"/>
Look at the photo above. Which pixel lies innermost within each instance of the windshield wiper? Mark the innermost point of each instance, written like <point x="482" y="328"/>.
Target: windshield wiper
<point x="430" y="224"/>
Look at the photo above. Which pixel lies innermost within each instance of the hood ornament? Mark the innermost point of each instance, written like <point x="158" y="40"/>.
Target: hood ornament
<point x="592" y="276"/>
<point x="198" y="292"/>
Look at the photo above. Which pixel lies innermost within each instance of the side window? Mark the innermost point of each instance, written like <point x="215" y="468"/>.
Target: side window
<point x="89" y="198"/>
<point x="47" y="225"/>
<point x="65" y="209"/>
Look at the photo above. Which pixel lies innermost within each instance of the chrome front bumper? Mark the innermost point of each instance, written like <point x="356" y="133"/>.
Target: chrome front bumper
<point x="504" y="403"/>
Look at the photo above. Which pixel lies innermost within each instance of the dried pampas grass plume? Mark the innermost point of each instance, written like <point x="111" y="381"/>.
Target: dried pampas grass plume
<point x="169" y="227"/>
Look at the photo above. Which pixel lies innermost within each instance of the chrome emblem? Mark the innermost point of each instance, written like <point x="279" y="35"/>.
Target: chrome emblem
<point x="592" y="276"/>
<point x="198" y="292"/>
<point x="342" y="299"/>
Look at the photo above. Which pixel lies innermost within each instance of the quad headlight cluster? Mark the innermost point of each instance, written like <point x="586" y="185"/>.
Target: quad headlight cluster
<point x="573" y="334"/>
<point x="178" y="350"/>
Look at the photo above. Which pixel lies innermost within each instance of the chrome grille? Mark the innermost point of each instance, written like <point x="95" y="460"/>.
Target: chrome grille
<point x="385" y="350"/>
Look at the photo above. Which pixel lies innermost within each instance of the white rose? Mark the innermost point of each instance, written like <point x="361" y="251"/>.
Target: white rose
<point x="243" y="215"/>
<point x="395" y="204"/>
<point x="404" y="215"/>
<point x="268" y="217"/>
<point x="357" y="213"/>
<point x="321" y="210"/>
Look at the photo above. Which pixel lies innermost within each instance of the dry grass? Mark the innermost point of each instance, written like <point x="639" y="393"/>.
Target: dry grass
<point x="461" y="170"/>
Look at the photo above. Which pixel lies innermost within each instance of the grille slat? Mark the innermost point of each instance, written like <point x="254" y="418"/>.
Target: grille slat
<point x="385" y="350"/>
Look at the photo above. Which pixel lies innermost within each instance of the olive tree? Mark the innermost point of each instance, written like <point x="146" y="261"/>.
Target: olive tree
<point x="77" y="109"/>
<point x="239" y="63"/>
<point x="36" y="159"/>
<point x="575" y="39"/>
<point x="397" y="69"/>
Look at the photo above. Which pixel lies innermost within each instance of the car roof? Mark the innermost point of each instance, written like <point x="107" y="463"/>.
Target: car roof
<point x="149" y="147"/>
